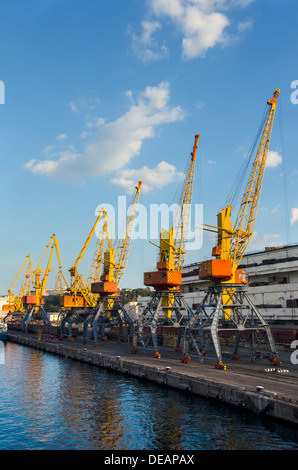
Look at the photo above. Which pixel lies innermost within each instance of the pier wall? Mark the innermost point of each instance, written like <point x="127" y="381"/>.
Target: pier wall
<point x="269" y="404"/>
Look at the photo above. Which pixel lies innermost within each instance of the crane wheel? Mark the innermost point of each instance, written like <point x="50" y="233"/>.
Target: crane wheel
<point x="185" y="359"/>
<point x="236" y="357"/>
<point x="275" y="361"/>
<point x="220" y="366"/>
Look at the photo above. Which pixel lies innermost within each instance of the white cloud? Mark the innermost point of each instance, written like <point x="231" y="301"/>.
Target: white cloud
<point x="113" y="144"/>
<point x="202" y="23"/>
<point x="145" y="46"/>
<point x="153" y="178"/>
<point x="61" y="137"/>
<point x="89" y="102"/>
<point x="273" y="159"/>
<point x="259" y="242"/>
<point x="245" y="25"/>
<point x="294" y="215"/>
<point x="74" y="107"/>
<point x="48" y="149"/>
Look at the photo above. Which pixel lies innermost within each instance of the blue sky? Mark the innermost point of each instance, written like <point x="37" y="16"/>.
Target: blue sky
<point x="101" y="94"/>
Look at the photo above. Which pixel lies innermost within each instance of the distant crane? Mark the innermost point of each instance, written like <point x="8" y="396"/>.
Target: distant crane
<point x="34" y="303"/>
<point x="79" y="299"/>
<point x="109" y="310"/>
<point x="167" y="306"/>
<point x="15" y="305"/>
<point x="226" y="304"/>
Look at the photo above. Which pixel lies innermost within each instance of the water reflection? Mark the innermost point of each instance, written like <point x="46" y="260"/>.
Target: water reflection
<point x="49" y="402"/>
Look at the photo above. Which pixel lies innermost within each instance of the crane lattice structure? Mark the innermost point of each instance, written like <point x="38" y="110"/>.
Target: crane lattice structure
<point x="79" y="299"/>
<point x="34" y="302"/>
<point x="226" y="304"/>
<point x="109" y="310"/>
<point x="167" y="307"/>
<point x="15" y="306"/>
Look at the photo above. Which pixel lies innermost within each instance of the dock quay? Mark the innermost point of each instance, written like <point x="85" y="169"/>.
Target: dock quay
<point x="256" y="386"/>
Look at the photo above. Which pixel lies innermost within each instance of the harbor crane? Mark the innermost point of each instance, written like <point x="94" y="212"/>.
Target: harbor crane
<point x="109" y="309"/>
<point x="15" y="305"/>
<point x="226" y="305"/>
<point x="167" y="307"/>
<point x="79" y="299"/>
<point x="34" y="302"/>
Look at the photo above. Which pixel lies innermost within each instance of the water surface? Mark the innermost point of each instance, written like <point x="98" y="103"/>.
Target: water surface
<point x="54" y="403"/>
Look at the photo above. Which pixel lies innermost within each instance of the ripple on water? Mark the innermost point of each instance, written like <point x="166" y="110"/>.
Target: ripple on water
<point x="50" y="402"/>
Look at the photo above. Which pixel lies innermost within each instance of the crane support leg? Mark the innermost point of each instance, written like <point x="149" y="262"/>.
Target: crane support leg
<point x="98" y="319"/>
<point x="264" y="324"/>
<point x="214" y="329"/>
<point x="32" y="315"/>
<point x="239" y="318"/>
<point x="87" y="322"/>
<point x="154" y="324"/>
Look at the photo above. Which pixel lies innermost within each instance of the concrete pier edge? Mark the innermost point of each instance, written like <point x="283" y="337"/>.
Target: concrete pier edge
<point x="270" y="404"/>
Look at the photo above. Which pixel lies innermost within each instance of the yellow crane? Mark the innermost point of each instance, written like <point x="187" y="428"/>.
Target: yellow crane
<point x="79" y="299"/>
<point x="226" y="295"/>
<point x="34" y="302"/>
<point x="166" y="280"/>
<point x="80" y="295"/>
<point x="108" y="309"/>
<point x="15" y="302"/>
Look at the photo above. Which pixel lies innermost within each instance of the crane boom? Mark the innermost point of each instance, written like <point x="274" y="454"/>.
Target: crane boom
<point x="115" y="259"/>
<point x="40" y="281"/>
<point x="124" y="242"/>
<point x="80" y="290"/>
<point x="15" y="303"/>
<point x="172" y="248"/>
<point x="246" y="218"/>
<point x="181" y="221"/>
<point x="232" y="241"/>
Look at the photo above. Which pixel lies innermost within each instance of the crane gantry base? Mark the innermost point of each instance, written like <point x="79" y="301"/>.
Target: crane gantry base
<point x="237" y="317"/>
<point x="166" y="308"/>
<point x="70" y="317"/>
<point x="36" y="313"/>
<point x="101" y="318"/>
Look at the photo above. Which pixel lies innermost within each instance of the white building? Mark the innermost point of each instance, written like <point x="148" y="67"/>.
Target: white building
<point x="273" y="282"/>
<point x="3" y="301"/>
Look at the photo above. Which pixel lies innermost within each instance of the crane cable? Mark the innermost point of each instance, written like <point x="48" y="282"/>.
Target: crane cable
<point x="235" y="190"/>
<point x="285" y="193"/>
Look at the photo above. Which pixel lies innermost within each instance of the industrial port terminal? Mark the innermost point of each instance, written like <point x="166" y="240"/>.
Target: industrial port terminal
<point x="223" y="328"/>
